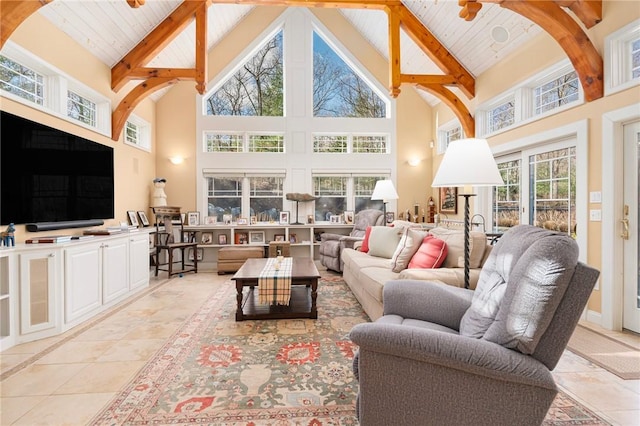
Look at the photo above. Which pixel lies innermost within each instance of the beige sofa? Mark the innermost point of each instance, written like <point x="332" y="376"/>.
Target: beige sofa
<point x="366" y="275"/>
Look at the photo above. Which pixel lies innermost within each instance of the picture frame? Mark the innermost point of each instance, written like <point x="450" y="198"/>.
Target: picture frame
<point x="206" y="238"/>
<point x="449" y="199"/>
<point x="293" y="239"/>
<point x="241" y="238"/>
<point x="334" y="218"/>
<point x="256" y="237"/>
<point x="310" y="219"/>
<point x="390" y="217"/>
<point x="227" y="219"/>
<point x="243" y="221"/>
<point x="284" y="217"/>
<point x="144" y="220"/>
<point x="199" y="251"/>
<point x="133" y="218"/>
<point x="278" y="237"/>
<point x="222" y="239"/>
<point x="210" y="220"/>
<point x="253" y="220"/>
<point x="193" y="218"/>
<point x="348" y="217"/>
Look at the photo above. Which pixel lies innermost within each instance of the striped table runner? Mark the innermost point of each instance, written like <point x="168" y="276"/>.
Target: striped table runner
<point x="274" y="285"/>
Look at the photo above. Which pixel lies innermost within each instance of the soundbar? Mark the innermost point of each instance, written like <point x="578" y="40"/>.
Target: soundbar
<point x="50" y="226"/>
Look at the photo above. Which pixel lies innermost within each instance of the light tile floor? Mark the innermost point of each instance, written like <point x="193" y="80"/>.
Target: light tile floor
<point x="66" y="380"/>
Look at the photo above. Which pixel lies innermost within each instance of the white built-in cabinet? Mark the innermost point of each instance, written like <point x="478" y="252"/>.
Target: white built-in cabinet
<point x="46" y="289"/>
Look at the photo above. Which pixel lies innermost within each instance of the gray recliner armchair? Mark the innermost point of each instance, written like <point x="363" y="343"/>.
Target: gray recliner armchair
<point x="331" y="245"/>
<point x="445" y="355"/>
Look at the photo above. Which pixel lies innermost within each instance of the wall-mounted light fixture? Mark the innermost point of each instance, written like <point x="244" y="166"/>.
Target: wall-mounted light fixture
<point x="413" y="161"/>
<point x="176" y="160"/>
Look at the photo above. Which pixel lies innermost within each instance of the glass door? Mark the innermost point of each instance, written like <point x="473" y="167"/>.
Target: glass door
<point x="629" y="226"/>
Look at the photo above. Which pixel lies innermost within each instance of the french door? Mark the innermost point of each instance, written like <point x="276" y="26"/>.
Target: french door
<point x="629" y="226"/>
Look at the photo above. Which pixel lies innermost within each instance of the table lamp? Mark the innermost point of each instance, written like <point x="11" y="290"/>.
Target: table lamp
<point x="467" y="162"/>
<point x="384" y="191"/>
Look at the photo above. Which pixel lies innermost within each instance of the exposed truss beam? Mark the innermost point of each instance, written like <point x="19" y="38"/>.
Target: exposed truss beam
<point x="13" y="13"/>
<point x="467" y="121"/>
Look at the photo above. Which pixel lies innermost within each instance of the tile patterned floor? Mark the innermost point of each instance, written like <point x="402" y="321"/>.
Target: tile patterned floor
<point x="71" y="377"/>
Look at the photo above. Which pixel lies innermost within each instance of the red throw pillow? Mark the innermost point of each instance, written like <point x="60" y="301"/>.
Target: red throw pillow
<point x="431" y="253"/>
<point x="365" y="243"/>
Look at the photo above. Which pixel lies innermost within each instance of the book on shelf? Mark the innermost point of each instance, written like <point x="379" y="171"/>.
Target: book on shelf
<point x="82" y="237"/>
<point x="49" y="239"/>
<point x="102" y="231"/>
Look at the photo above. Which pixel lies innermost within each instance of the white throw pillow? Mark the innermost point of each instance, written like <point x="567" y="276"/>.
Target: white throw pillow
<point x="383" y="241"/>
<point x="408" y="246"/>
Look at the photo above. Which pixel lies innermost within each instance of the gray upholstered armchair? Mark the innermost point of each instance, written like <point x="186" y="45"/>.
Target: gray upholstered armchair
<point x="444" y="355"/>
<point x="331" y="245"/>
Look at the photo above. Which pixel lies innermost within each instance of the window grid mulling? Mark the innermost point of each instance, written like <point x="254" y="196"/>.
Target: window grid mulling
<point x="557" y="92"/>
<point x="131" y="133"/>
<point x="81" y="109"/>
<point x="501" y="116"/>
<point x="330" y="143"/>
<point x="452" y="135"/>
<point x="635" y="58"/>
<point x="223" y="142"/>
<point x="21" y="81"/>
<point x="369" y="144"/>
<point x="266" y="143"/>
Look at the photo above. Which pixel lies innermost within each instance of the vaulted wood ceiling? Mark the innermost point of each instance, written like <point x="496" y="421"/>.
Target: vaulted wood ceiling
<point x="555" y="17"/>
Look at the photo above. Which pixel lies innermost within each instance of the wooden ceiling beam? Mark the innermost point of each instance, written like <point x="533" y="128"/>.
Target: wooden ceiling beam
<point x="394" y="52"/>
<point x="133" y="98"/>
<point x="177" y="73"/>
<point x="155" y="42"/>
<point x="201" y="49"/>
<point x="135" y="3"/>
<point x="337" y="4"/>
<point x="588" y="11"/>
<point x="569" y="35"/>
<point x="436" y="51"/>
<point x="13" y="13"/>
<point x="445" y="80"/>
<point x="449" y="98"/>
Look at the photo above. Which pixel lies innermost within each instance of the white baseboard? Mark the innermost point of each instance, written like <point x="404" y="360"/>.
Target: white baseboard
<point x="593" y="317"/>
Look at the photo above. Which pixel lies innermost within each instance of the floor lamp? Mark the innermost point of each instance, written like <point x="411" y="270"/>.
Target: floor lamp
<point x="467" y="162"/>
<point x="384" y="191"/>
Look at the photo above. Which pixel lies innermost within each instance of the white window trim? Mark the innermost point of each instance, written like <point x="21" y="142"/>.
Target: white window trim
<point x="56" y="84"/>
<point x="144" y="133"/>
<point x="616" y="59"/>
<point x="523" y="95"/>
<point x="442" y="134"/>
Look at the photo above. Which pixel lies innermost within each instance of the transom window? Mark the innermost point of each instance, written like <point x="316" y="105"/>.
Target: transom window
<point x="635" y="59"/>
<point x="622" y="58"/>
<point x="448" y="133"/>
<point x="243" y="142"/>
<point x="501" y="116"/>
<point x="360" y="144"/>
<point x="81" y="109"/>
<point x="558" y="92"/>
<point x="20" y="80"/>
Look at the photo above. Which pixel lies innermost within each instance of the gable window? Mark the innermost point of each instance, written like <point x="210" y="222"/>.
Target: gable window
<point x="256" y="89"/>
<point x="622" y="58"/>
<point x="22" y="81"/>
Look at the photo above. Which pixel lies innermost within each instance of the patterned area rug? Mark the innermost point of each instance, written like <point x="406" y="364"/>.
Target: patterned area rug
<point x="216" y="371"/>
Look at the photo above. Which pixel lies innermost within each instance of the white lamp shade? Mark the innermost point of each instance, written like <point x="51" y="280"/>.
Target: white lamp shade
<point x="384" y="191"/>
<point x="468" y="162"/>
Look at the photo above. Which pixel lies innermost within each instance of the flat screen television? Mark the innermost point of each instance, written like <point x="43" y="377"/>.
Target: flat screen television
<point x="47" y="175"/>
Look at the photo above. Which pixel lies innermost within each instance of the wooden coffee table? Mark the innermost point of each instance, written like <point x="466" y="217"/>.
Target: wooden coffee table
<point x="304" y="291"/>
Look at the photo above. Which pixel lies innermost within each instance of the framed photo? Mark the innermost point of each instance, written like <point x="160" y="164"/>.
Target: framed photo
<point x="253" y="220"/>
<point x="227" y="218"/>
<point x="143" y="218"/>
<point x="284" y="218"/>
<point x="390" y="217"/>
<point x="278" y="237"/>
<point x="256" y="237"/>
<point x="292" y="238"/>
<point x="199" y="251"/>
<point x="242" y="238"/>
<point x="334" y="218"/>
<point x="133" y="218"/>
<point x="449" y="199"/>
<point x="210" y="220"/>
<point x="193" y="218"/>
<point x="310" y="219"/>
<point x="348" y="217"/>
<point x="222" y="239"/>
<point x="243" y="221"/>
<point x="206" y="238"/>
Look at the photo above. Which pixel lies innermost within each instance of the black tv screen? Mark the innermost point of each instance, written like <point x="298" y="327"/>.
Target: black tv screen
<point x="48" y="175"/>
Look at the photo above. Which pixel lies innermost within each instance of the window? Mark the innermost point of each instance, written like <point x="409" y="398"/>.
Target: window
<point x="266" y="143"/>
<point x="338" y="91"/>
<point x="224" y="196"/>
<point x="363" y="189"/>
<point x="29" y="80"/>
<point x="506" y="198"/>
<point x="448" y="133"/>
<point x="622" y="58"/>
<point x="266" y="198"/>
<point x="360" y="144"/>
<point x="548" y="92"/>
<point x="228" y="142"/>
<point x="137" y="132"/>
<point x="256" y="88"/>
<point x="22" y="81"/>
<point x="557" y="92"/>
<point x="339" y="193"/>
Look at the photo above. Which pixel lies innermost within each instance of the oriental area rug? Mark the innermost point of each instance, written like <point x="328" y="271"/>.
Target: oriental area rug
<point x="217" y="371"/>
